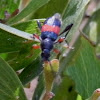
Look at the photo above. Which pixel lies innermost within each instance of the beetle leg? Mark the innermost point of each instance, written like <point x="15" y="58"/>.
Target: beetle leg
<point x="60" y="40"/>
<point x="67" y="45"/>
<point x="36" y="46"/>
<point x="39" y="24"/>
<point x="36" y="37"/>
<point x="56" y="51"/>
<point x="67" y="29"/>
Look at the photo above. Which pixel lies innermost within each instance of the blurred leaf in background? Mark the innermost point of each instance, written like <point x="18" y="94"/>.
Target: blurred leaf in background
<point x="85" y="70"/>
<point x="8" y="5"/>
<point x="10" y="86"/>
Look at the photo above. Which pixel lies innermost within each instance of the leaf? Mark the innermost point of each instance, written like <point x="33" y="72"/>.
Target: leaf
<point x="66" y="90"/>
<point x="85" y="69"/>
<point x="25" y="54"/>
<point x="12" y="39"/>
<point x="72" y="14"/>
<point x="92" y="27"/>
<point x="9" y="6"/>
<point x="27" y="26"/>
<point x="15" y="31"/>
<point x="52" y="7"/>
<point x="31" y="71"/>
<point x="39" y="89"/>
<point x="23" y="58"/>
<point x="10" y="86"/>
<point x="31" y="8"/>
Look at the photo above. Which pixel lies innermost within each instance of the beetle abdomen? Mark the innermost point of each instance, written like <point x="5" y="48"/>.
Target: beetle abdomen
<point x="50" y="35"/>
<point x="51" y="27"/>
<point x="47" y="44"/>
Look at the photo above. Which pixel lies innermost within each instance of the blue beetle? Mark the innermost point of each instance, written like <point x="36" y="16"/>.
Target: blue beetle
<point x="50" y="31"/>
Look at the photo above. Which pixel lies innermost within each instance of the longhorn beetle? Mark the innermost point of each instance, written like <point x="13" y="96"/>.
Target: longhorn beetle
<point x="50" y="32"/>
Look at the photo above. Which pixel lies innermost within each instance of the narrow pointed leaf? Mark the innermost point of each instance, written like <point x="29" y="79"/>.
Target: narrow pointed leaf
<point x="15" y="31"/>
<point x="39" y="89"/>
<point x="72" y="14"/>
<point x="10" y="86"/>
<point x="54" y="6"/>
<point x="31" y="71"/>
<point x="31" y="8"/>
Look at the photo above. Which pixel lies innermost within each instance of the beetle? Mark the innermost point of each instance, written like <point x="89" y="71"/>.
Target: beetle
<point x="50" y="32"/>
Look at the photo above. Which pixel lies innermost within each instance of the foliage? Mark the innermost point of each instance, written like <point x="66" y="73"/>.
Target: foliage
<point x="77" y="70"/>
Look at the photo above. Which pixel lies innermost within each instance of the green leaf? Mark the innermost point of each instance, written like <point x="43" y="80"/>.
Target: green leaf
<point x="39" y="89"/>
<point x="25" y="54"/>
<point x="23" y="58"/>
<point x="31" y="71"/>
<point x="54" y="6"/>
<point x="16" y="32"/>
<point x="9" y="6"/>
<point x="66" y="90"/>
<point x="12" y="39"/>
<point x="27" y="26"/>
<point x="10" y="86"/>
<point x="85" y="69"/>
<point x="31" y="8"/>
<point x="92" y="28"/>
<point x="72" y="14"/>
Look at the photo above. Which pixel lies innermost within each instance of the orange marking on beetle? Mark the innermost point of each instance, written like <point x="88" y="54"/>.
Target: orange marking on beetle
<point x="36" y="46"/>
<point x="61" y="40"/>
<point x="36" y="36"/>
<point x="49" y="28"/>
<point x="56" y="51"/>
